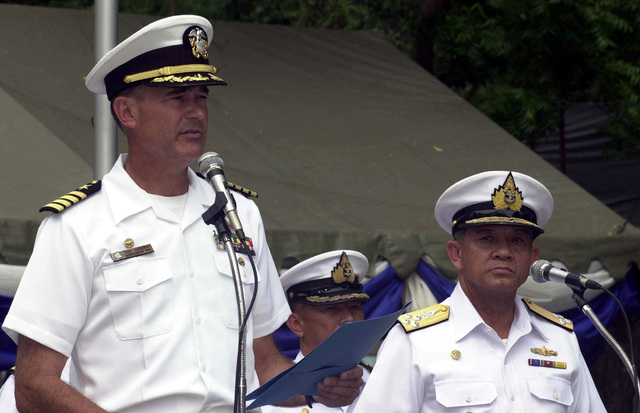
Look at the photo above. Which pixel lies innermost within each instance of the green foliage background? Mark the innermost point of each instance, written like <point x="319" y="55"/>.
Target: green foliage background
<point x="521" y="62"/>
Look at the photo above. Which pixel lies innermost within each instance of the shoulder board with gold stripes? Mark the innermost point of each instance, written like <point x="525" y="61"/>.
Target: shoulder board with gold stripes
<point x="425" y="317"/>
<point x="244" y="191"/>
<point x="72" y="198"/>
<point x="553" y="317"/>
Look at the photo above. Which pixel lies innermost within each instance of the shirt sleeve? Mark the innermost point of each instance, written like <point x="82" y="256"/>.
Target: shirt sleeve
<point x="396" y="384"/>
<point x="51" y="302"/>
<point x="271" y="309"/>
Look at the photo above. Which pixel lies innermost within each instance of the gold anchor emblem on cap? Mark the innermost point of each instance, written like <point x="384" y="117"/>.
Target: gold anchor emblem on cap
<point x="128" y="243"/>
<point x="455" y="354"/>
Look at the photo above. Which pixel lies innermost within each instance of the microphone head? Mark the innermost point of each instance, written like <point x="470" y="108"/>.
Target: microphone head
<point x="538" y="269"/>
<point x="208" y="161"/>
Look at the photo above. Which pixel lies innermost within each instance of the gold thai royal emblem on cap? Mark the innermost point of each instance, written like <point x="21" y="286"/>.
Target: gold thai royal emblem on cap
<point x="198" y="41"/>
<point x="507" y="195"/>
<point x="544" y="351"/>
<point x="343" y="271"/>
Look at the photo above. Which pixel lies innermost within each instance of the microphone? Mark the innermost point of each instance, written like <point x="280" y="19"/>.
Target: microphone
<point x="542" y="271"/>
<point x="210" y="165"/>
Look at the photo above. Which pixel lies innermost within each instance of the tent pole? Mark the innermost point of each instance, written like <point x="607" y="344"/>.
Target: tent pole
<point x="104" y="133"/>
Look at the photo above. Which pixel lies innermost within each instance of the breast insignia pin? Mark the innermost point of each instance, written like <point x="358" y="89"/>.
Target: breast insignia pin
<point x="544" y="351"/>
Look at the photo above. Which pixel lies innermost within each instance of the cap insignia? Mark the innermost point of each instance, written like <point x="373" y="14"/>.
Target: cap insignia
<point x="343" y="271"/>
<point x="507" y="195"/>
<point x="198" y="42"/>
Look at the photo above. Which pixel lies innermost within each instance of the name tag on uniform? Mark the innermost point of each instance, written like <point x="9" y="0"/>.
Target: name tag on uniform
<point x="131" y="252"/>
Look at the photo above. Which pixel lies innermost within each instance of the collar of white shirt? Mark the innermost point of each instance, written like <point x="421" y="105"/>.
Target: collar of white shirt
<point x="466" y="318"/>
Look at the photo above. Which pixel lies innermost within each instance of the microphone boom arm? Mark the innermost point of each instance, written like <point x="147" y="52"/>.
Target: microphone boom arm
<point x="215" y="215"/>
<point x="583" y="305"/>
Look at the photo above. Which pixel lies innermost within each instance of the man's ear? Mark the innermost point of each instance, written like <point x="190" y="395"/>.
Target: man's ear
<point x="535" y="254"/>
<point x="454" y="250"/>
<point x="124" y="108"/>
<point x="294" y="322"/>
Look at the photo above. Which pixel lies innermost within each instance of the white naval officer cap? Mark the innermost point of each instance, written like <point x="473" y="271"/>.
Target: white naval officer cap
<point x="495" y="198"/>
<point x="169" y="52"/>
<point x="329" y="278"/>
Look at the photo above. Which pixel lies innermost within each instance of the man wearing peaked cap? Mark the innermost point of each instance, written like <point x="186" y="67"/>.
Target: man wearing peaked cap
<point x="324" y="292"/>
<point x="484" y="348"/>
<point x="127" y="281"/>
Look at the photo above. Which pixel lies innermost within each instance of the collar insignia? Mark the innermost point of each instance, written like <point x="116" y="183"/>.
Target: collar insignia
<point x="544" y="352"/>
<point x="507" y="195"/>
<point x="343" y="271"/>
<point x="198" y="42"/>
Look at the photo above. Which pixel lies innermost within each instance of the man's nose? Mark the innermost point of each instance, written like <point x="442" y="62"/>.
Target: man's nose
<point x="503" y="250"/>
<point x="195" y="110"/>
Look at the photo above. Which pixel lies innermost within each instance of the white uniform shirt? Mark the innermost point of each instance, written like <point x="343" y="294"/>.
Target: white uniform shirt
<point x="317" y="407"/>
<point x="153" y="333"/>
<point x="416" y="371"/>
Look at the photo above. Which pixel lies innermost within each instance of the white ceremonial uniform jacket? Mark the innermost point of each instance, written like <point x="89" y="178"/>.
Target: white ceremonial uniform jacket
<point x="317" y="407"/>
<point x="462" y="365"/>
<point x="153" y="333"/>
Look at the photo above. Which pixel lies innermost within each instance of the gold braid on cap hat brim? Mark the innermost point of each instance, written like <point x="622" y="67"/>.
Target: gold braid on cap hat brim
<point x="169" y="70"/>
<point x="318" y="299"/>
<point x="500" y="220"/>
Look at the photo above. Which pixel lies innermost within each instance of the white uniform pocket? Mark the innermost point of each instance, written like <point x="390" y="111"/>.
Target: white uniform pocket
<point x="230" y="316"/>
<point x="550" y="394"/>
<point x="140" y="297"/>
<point x="466" y="395"/>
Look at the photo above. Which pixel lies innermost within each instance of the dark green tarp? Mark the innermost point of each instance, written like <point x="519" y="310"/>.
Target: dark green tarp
<point x="348" y="142"/>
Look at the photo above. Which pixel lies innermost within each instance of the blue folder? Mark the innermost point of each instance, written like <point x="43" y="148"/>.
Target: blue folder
<point x="341" y="351"/>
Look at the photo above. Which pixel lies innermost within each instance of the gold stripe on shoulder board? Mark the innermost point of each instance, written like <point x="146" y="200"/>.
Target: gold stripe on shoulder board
<point x="244" y="191"/>
<point x="72" y="198"/>
<point x="553" y="317"/>
<point x="425" y="317"/>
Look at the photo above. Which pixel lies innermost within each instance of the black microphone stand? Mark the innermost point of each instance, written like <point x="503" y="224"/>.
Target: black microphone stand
<point x="583" y="305"/>
<point x="215" y="216"/>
